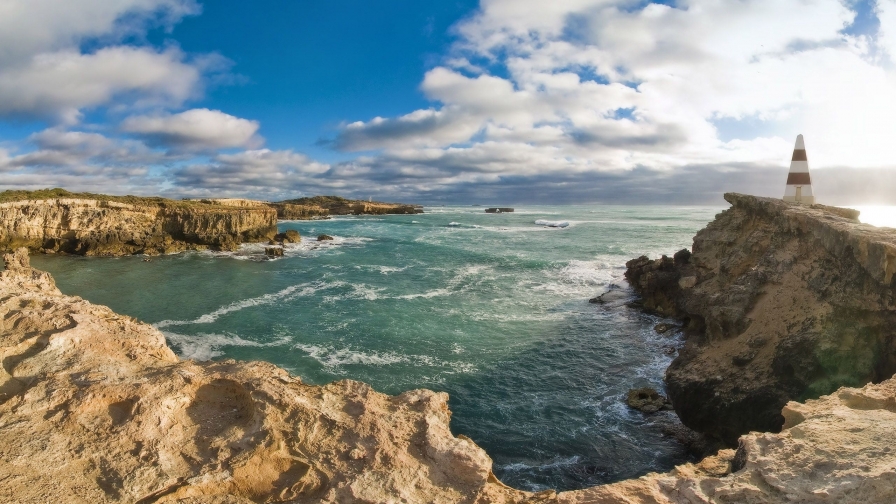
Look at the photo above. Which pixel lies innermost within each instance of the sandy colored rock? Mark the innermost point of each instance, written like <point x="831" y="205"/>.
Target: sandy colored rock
<point x="95" y="408"/>
<point x="142" y="226"/>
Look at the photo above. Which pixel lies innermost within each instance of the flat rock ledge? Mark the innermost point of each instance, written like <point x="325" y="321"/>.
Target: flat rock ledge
<point x="95" y="408"/>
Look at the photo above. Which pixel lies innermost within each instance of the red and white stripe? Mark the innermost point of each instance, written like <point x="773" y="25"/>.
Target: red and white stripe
<point x="799" y="183"/>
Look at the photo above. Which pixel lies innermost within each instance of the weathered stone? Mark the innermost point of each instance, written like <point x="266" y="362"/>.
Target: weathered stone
<point x="273" y="251"/>
<point x="798" y="300"/>
<point x="96" y="408"/>
<point x="288" y="236"/>
<point x="647" y="400"/>
<point x="324" y="237"/>
<point x="146" y="226"/>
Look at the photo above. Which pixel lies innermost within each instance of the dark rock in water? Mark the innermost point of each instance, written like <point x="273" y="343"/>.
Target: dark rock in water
<point x="288" y="236"/>
<point x="273" y="251"/>
<point x="647" y="400"/>
<point x="663" y="328"/>
<point x="614" y="294"/>
<point x="324" y="237"/>
<point x="499" y="210"/>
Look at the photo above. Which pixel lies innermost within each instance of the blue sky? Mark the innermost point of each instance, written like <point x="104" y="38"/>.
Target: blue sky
<point x="504" y="101"/>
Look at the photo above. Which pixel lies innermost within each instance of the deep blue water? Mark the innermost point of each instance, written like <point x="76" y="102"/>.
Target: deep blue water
<point x="489" y="308"/>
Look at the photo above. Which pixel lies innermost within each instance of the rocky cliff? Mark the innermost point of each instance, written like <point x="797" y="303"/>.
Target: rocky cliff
<point x="323" y="206"/>
<point x="102" y="225"/>
<point x="95" y="408"/>
<point x="780" y="302"/>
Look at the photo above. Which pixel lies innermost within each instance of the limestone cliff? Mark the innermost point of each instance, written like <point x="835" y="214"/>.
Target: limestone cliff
<point x="781" y="302"/>
<point x="102" y="225"/>
<point x="323" y="206"/>
<point x="95" y="408"/>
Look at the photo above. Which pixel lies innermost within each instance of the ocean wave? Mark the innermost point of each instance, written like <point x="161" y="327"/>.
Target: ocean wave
<point x="554" y="224"/>
<point x="207" y="346"/>
<point x="255" y="251"/>
<point x="333" y="358"/>
<point x="293" y="291"/>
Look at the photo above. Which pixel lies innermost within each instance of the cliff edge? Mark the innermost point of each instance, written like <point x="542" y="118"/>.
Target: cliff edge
<point x="95" y="408"/>
<point x="317" y="207"/>
<point x="780" y="302"/>
<point x="92" y="224"/>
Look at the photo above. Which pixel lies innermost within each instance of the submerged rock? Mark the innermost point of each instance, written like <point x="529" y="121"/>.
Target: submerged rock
<point x="324" y="237"/>
<point x="273" y="251"/>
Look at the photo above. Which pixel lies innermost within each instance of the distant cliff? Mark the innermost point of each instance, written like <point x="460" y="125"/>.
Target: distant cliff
<point x="323" y="206"/>
<point x="93" y="224"/>
<point x="781" y="302"/>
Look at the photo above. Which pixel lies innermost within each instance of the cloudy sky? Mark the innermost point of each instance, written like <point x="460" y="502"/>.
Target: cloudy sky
<point x="490" y="101"/>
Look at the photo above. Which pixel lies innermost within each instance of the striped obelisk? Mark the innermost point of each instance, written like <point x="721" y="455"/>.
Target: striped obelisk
<point x="799" y="184"/>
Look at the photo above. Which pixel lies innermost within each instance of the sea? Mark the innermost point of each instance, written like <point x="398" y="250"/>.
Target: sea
<point x="491" y="308"/>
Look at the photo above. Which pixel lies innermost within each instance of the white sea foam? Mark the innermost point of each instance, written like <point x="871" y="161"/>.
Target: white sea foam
<point x="255" y="251"/>
<point x="555" y="224"/>
<point x="333" y="358"/>
<point x="291" y="292"/>
<point x="207" y="346"/>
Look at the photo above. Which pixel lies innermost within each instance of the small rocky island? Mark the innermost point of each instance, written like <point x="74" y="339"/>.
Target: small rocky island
<point x="94" y="407"/>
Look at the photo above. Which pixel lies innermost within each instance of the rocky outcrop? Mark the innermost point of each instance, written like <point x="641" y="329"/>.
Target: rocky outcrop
<point x="103" y="225"/>
<point x="781" y="302"/>
<point x="323" y="206"/>
<point x="95" y="408"/>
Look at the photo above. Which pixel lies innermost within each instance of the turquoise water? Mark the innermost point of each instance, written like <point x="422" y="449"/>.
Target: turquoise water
<point x="489" y="308"/>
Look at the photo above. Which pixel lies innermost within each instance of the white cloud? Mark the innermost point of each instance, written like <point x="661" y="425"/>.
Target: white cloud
<point x="195" y="130"/>
<point x="591" y="86"/>
<point x="60" y="84"/>
<point x="44" y="73"/>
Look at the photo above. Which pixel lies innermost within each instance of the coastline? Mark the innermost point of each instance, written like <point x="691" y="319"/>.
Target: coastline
<point x="768" y="455"/>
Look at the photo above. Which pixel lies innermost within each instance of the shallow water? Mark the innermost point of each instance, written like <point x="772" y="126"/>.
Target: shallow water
<point x="490" y="308"/>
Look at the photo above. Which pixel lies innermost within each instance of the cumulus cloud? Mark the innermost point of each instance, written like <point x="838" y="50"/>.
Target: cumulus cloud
<point x="195" y="130"/>
<point x="44" y="72"/>
<point x="61" y="84"/>
<point x="609" y="89"/>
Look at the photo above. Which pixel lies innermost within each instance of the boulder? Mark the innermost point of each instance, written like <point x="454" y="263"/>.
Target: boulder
<point x="273" y="251"/>
<point x="647" y="400"/>
<point x="324" y="237"/>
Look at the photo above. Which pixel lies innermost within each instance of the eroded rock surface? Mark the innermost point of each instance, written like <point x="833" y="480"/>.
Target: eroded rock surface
<point x="781" y="302"/>
<point x="95" y="408"/>
<point x="318" y="207"/>
<point x="129" y="225"/>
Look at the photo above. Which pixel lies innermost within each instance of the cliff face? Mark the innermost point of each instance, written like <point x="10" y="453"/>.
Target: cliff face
<point x="102" y="227"/>
<point x="95" y="408"/>
<point x="324" y="206"/>
<point x="781" y="302"/>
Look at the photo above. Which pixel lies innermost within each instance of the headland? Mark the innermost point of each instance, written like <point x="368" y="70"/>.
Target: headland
<point x="96" y="408"/>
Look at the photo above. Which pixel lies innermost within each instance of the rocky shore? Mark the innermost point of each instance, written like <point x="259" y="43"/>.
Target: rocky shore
<point x="56" y="221"/>
<point x="780" y="302"/>
<point x="319" y="207"/>
<point x="95" y="408"/>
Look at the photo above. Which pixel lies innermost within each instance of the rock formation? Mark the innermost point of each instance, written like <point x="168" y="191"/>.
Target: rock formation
<point x="95" y="408"/>
<point x="323" y="206"/>
<point x="780" y="302"/>
<point x="89" y="224"/>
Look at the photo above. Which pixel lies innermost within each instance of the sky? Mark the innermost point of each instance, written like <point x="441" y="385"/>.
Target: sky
<point x="449" y="101"/>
